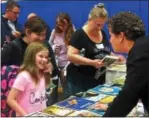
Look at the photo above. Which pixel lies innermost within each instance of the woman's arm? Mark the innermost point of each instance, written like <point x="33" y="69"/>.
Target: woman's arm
<point x="52" y="36"/>
<point x="74" y="57"/>
<point x="11" y="100"/>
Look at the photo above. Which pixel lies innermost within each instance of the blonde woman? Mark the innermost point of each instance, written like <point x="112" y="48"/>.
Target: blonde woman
<point x="88" y="46"/>
<point x="28" y="93"/>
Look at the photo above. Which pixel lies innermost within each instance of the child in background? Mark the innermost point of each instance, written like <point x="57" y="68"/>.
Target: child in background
<point x="28" y="91"/>
<point x="59" y="41"/>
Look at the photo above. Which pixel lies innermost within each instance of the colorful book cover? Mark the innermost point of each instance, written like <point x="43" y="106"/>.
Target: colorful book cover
<point x="57" y="111"/>
<point x="106" y="90"/>
<point x="75" y="103"/>
<point x="107" y="99"/>
<point x="100" y="112"/>
<point x="96" y="98"/>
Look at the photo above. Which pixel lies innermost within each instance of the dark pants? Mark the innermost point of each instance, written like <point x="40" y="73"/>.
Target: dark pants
<point x="71" y="89"/>
<point x="53" y="97"/>
<point x="74" y="86"/>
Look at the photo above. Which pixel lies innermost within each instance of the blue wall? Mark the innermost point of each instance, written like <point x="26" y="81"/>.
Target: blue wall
<point x="78" y="10"/>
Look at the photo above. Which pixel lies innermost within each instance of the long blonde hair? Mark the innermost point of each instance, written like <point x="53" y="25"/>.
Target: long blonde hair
<point x="29" y="63"/>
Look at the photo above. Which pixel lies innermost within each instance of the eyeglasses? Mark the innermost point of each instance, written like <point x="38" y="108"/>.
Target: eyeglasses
<point x="16" y="13"/>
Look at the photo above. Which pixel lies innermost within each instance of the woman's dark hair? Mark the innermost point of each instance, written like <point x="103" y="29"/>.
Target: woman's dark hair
<point x="35" y="24"/>
<point x="129" y="23"/>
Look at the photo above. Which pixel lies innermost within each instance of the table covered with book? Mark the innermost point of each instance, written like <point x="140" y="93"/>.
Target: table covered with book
<point x="82" y="104"/>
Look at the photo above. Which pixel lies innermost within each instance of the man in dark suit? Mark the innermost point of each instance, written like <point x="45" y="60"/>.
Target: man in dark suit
<point x="127" y="33"/>
<point x="10" y="28"/>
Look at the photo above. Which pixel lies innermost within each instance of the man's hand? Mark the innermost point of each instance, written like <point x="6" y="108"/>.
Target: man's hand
<point x="100" y="106"/>
<point x="121" y="58"/>
<point x="16" y="34"/>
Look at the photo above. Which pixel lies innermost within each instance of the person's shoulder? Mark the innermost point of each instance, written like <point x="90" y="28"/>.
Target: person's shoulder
<point x="142" y="43"/>
<point x="79" y="32"/>
<point x="78" y="35"/>
<point x="141" y="47"/>
<point x="3" y="19"/>
<point x="4" y="23"/>
<point x="24" y="72"/>
<point x="25" y="75"/>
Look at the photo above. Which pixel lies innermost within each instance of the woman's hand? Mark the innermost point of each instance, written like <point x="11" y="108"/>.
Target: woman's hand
<point x="97" y="63"/>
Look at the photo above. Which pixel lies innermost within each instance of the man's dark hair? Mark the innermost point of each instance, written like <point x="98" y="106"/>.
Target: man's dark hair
<point x="11" y="4"/>
<point x="129" y="23"/>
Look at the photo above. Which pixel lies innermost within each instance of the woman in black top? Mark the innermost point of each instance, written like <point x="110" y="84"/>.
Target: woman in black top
<point x="88" y="46"/>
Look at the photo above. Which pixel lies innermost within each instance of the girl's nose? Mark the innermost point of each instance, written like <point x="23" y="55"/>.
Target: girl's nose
<point x="44" y="59"/>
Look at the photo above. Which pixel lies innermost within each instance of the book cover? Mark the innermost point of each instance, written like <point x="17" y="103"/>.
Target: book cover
<point x="108" y="60"/>
<point x="57" y="111"/>
<point x="99" y="112"/>
<point x="96" y="98"/>
<point x="101" y="89"/>
<point x="75" y="103"/>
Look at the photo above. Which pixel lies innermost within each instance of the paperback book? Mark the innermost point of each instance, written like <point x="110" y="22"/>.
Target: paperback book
<point x="75" y="103"/>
